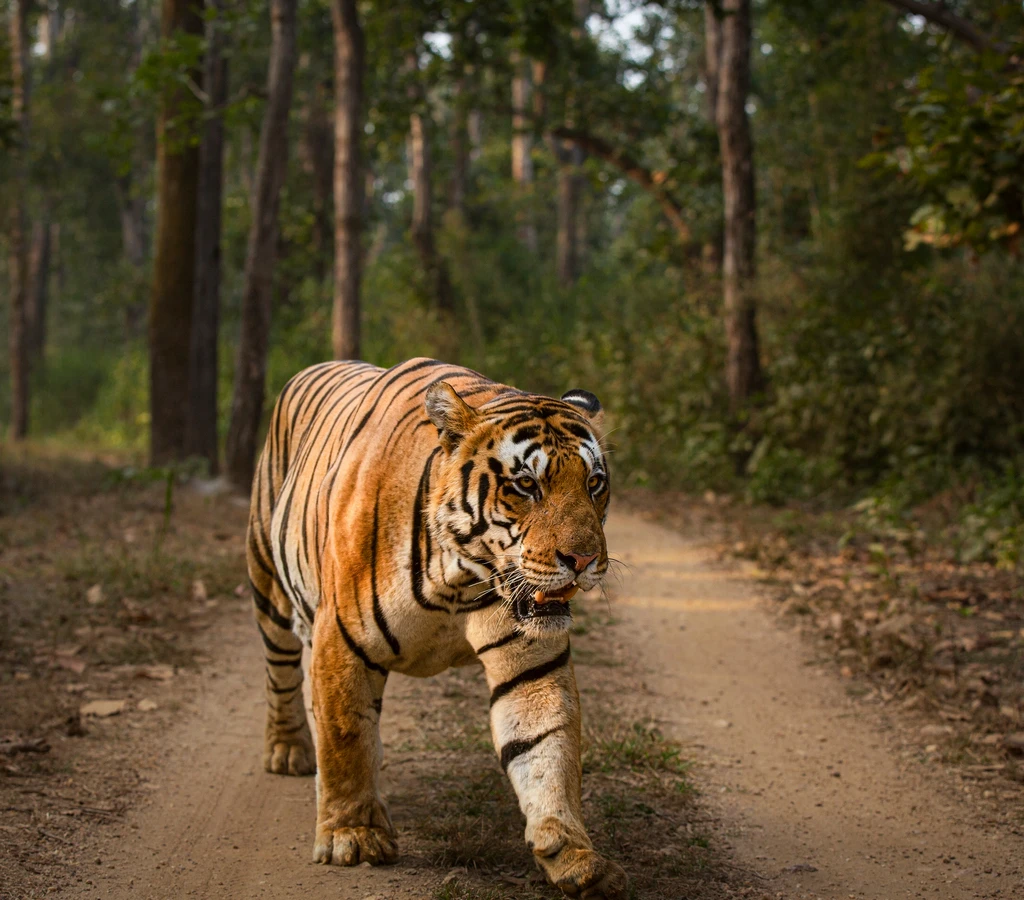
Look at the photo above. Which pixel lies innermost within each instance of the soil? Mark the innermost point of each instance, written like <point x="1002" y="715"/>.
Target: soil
<point x="726" y="757"/>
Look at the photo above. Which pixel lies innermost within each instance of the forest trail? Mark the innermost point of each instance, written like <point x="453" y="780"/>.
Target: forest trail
<point x="813" y="793"/>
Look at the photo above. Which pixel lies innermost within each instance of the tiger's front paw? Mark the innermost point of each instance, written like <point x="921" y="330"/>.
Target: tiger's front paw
<point x="351" y="846"/>
<point x="589" y="876"/>
<point x="290" y="755"/>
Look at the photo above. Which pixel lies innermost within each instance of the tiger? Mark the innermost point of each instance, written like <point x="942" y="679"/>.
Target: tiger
<point x="412" y="519"/>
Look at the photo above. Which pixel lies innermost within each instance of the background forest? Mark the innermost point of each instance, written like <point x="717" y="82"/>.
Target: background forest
<point x="780" y="241"/>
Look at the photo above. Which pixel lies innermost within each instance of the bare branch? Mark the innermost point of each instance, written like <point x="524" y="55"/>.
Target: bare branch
<point x="652" y="182"/>
<point x="959" y="27"/>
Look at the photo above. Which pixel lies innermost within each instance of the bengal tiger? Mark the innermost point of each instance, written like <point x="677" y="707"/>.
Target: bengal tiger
<point x="413" y="519"/>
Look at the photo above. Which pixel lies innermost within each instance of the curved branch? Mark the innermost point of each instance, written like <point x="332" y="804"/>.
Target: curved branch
<point x="648" y="180"/>
<point x="959" y="27"/>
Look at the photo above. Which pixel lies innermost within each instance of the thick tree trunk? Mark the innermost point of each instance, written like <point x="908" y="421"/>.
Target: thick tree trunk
<point x="172" y="297"/>
<point x="349" y="64"/>
<point x="201" y="430"/>
<point x="39" y="296"/>
<point x="420" y="173"/>
<point x="20" y="353"/>
<point x="251" y="361"/>
<point x="743" y="365"/>
<point x="522" y="146"/>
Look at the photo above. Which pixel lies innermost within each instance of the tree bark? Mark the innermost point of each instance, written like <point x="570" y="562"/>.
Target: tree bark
<point x="420" y="173"/>
<point x="711" y="251"/>
<point x="522" y="146"/>
<point x="318" y="150"/>
<point x="21" y="357"/>
<point x="349" y="65"/>
<point x="570" y="183"/>
<point x="39" y="280"/>
<point x="459" y="140"/>
<point x="271" y="166"/>
<point x="172" y="296"/>
<point x="201" y="430"/>
<point x="743" y="365"/>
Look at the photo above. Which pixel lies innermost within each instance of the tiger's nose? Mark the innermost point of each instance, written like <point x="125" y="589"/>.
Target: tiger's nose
<point x="576" y="561"/>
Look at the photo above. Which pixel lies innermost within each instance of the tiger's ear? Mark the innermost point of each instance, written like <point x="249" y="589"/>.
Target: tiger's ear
<point x="451" y="414"/>
<point x="587" y="404"/>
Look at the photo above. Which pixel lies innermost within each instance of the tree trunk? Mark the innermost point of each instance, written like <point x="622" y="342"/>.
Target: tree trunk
<point x="201" y="431"/>
<point x="349" y="63"/>
<point x="570" y="182"/>
<point x="743" y="365"/>
<point x="522" y="146"/>
<point x="459" y="140"/>
<point x="39" y="280"/>
<point x="420" y="172"/>
<point x="251" y="361"/>
<point x="318" y="152"/>
<point x="172" y="297"/>
<point x="711" y="251"/>
<point x="21" y="357"/>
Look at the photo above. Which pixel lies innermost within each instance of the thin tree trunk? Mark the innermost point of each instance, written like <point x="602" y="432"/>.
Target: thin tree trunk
<point x="39" y="280"/>
<point x="420" y="172"/>
<point x="522" y="146"/>
<point x="743" y="365"/>
<point x="201" y="432"/>
<point x="251" y="361"/>
<point x="318" y="152"/>
<point x="172" y="297"/>
<point x="349" y="64"/>
<point x="570" y="182"/>
<point x="21" y="357"/>
<point x="459" y="140"/>
<point x="711" y="252"/>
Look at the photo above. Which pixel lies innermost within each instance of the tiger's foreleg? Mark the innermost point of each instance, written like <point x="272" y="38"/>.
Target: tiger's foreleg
<point x="288" y="743"/>
<point x="535" y="723"/>
<point x="352" y="822"/>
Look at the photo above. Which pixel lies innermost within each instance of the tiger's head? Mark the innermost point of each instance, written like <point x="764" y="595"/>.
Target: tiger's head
<point x="522" y="498"/>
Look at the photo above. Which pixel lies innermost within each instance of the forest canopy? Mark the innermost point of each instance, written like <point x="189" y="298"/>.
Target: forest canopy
<point x="780" y="241"/>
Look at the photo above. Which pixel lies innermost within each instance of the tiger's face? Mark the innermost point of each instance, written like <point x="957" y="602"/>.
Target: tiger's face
<point x="522" y="498"/>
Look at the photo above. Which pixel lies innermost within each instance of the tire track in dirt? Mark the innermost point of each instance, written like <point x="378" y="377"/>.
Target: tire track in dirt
<point x="800" y="775"/>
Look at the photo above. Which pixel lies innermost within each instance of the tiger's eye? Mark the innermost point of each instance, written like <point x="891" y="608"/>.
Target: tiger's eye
<point x="595" y="481"/>
<point x="526" y="483"/>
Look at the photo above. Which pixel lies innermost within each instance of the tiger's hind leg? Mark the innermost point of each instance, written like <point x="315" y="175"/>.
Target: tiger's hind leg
<point x="288" y="743"/>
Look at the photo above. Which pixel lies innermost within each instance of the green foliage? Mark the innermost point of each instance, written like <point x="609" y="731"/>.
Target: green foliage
<point x="963" y="148"/>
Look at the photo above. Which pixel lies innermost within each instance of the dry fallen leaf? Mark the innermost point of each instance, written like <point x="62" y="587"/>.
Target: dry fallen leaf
<point x="103" y="708"/>
<point x="94" y="596"/>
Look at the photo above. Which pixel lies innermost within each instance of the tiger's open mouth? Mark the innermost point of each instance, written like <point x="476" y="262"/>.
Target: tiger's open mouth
<point x="540" y="602"/>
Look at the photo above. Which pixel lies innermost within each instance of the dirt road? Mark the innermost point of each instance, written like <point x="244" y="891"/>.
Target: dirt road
<point x="815" y="794"/>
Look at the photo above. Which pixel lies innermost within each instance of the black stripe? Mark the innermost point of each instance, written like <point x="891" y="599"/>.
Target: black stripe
<point x="294" y="663"/>
<point x="533" y="674"/>
<point x="281" y="690"/>
<point x="356" y="649"/>
<point x="378" y="705"/>
<point x="418" y="530"/>
<point x="500" y="642"/>
<point x="273" y="648"/>
<point x="268" y="609"/>
<point x="517" y="748"/>
<point x="378" y="613"/>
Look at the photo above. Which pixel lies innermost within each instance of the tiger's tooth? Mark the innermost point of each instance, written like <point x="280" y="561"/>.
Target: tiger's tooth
<point x="538" y="597"/>
<point x="569" y="594"/>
